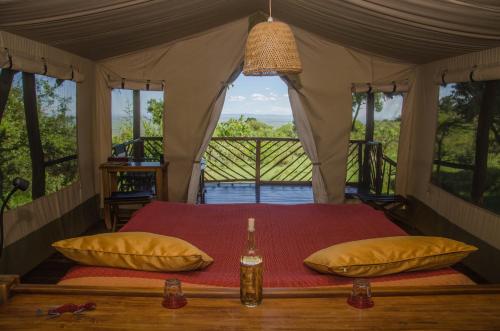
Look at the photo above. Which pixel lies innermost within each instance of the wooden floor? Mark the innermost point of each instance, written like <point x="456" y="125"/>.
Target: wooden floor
<point x="245" y="193"/>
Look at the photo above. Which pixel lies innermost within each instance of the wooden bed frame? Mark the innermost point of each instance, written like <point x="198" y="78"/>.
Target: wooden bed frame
<point x="396" y="308"/>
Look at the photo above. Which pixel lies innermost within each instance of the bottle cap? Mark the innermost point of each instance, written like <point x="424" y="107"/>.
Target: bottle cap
<point x="251" y="224"/>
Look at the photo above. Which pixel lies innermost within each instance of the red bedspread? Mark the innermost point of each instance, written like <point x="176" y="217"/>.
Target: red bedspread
<point x="286" y="235"/>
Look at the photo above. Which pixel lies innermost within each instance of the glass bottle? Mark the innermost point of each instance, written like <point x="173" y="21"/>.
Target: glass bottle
<point x="251" y="271"/>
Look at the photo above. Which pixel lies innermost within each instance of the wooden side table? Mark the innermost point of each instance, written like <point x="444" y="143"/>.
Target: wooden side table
<point x="109" y="172"/>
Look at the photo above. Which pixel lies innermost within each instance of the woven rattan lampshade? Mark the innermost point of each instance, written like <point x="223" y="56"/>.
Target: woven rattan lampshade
<point x="271" y="50"/>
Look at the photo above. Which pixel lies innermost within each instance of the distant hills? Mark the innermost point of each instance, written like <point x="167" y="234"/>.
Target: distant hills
<point x="271" y="119"/>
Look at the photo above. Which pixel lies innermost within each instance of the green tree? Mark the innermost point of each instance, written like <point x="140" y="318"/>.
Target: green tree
<point x="58" y="134"/>
<point x="457" y="142"/>
<point x="152" y="123"/>
<point x="251" y="127"/>
<point x="359" y="100"/>
<point x="387" y="133"/>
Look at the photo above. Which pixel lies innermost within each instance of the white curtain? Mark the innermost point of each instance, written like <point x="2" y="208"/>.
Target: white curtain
<point x="217" y="106"/>
<point x="194" y="182"/>
<point x="306" y="138"/>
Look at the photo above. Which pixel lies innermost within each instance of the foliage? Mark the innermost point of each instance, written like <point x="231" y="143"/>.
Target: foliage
<point x="385" y="132"/>
<point x="459" y="108"/>
<point x="152" y="123"/>
<point x="58" y="135"/>
<point x="359" y="100"/>
<point x="251" y="127"/>
<point x="283" y="160"/>
<point x="154" y="127"/>
<point x="125" y="131"/>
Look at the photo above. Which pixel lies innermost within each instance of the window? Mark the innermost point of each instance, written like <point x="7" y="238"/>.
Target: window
<point x="387" y="120"/>
<point x="50" y="131"/>
<point x="467" y="143"/>
<point x="150" y="110"/>
<point x="372" y="166"/>
<point x="57" y="118"/>
<point x="148" y="119"/>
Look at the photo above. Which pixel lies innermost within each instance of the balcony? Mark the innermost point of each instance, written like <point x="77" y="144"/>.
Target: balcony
<point x="271" y="170"/>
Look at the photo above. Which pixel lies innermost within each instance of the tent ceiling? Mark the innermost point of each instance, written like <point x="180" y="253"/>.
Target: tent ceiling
<point x="415" y="31"/>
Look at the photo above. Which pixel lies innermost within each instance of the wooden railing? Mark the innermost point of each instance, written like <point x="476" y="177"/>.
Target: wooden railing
<point x="355" y="163"/>
<point x="369" y="169"/>
<point x="260" y="160"/>
<point x="282" y="161"/>
<point x="388" y="175"/>
<point x="274" y="161"/>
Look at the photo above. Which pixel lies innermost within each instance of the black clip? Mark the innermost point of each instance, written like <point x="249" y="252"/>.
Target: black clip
<point x="44" y="66"/>
<point x="471" y="75"/>
<point x="443" y="82"/>
<point x="9" y="57"/>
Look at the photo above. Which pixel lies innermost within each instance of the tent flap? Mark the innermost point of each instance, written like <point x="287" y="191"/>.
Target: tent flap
<point x="131" y="84"/>
<point x="17" y="60"/>
<point x="391" y="87"/>
<point x="474" y="73"/>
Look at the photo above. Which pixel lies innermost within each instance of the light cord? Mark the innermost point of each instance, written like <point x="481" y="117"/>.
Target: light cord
<point x="270" y="19"/>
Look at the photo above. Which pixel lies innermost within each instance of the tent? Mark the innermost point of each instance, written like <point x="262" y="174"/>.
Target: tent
<point x="195" y="47"/>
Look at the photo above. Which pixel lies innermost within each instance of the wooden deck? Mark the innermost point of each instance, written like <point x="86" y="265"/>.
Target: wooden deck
<point x="245" y="193"/>
<point x="277" y="194"/>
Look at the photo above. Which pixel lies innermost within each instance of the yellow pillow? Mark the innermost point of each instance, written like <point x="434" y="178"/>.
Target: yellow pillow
<point x="134" y="250"/>
<point x="390" y="255"/>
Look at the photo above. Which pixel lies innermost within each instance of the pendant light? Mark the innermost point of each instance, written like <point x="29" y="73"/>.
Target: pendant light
<point x="271" y="50"/>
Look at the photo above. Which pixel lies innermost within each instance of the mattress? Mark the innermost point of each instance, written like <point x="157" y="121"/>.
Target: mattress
<point x="285" y="236"/>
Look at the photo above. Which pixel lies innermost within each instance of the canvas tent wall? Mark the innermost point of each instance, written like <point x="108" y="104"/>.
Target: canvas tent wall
<point x="187" y="74"/>
<point x="194" y="46"/>
<point x="419" y="138"/>
<point x="31" y="228"/>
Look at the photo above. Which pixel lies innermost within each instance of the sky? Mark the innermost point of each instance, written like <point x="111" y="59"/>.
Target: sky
<point x="265" y="98"/>
<point x="254" y="96"/>
<point x="446" y="90"/>
<point x="257" y="96"/>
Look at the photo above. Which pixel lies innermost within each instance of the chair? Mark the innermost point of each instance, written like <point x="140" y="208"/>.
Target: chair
<point x="387" y="203"/>
<point x="118" y="199"/>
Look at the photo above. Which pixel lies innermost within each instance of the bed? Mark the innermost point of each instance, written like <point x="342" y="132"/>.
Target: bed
<point x="285" y="236"/>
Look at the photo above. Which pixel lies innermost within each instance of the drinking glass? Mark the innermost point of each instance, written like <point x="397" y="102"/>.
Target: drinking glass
<point x="361" y="296"/>
<point x="173" y="297"/>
